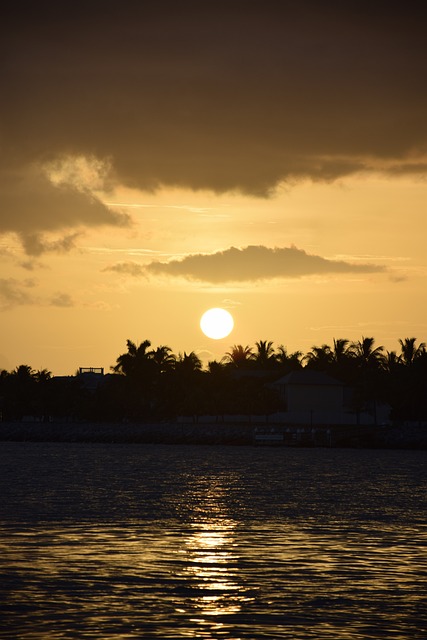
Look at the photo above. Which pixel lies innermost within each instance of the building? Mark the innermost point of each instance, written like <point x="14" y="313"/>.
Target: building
<point x="91" y="377"/>
<point x="312" y="397"/>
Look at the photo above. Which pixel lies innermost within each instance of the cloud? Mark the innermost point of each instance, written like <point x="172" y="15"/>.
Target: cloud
<point x="15" y="293"/>
<point x="209" y="95"/>
<point x="35" y="244"/>
<point x="38" y="199"/>
<point x="250" y="264"/>
<point x="127" y="268"/>
<point x="31" y="264"/>
<point x="62" y="300"/>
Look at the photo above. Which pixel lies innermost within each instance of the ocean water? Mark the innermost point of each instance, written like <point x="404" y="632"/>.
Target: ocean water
<point x="151" y="541"/>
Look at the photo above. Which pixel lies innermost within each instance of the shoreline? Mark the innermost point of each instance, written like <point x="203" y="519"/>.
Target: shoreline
<point x="249" y="433"/>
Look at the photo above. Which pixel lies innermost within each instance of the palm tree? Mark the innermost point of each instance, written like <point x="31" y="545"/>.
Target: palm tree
<point x="23" y="391"/>
<point x="319" y="358"/>
<point x="163" y="358"/>
<point x="392" y="361"/>
<point x="341" y="352"/>
<point x="139" y="377"/>
<point x="265" y="353"/>
<point x="293" y="360"/>
<point x="42" y="375"/>
<point x="134" y="362"/>
<point x="410" y="352"/>
<point x="366" y="355"/>
<point x="238" y="356"/>
<point x="342" y="360"/>
<point x="188" y="363"/>
<point x="217" y="368"/>
<point x="24" y="373"/>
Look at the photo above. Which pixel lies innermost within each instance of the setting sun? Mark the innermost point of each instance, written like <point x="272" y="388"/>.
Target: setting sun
<point x="216" y="323"/>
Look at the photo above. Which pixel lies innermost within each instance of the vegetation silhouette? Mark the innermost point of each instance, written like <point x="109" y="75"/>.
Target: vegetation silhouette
<point x="154" y="384"/>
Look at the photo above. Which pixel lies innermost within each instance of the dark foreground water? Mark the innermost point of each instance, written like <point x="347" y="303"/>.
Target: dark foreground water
<point x="139" y="541"/>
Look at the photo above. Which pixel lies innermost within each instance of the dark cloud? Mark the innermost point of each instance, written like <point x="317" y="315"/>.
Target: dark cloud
<point x="249" y="264"/>
<point x="34" y="243"/>
<point x="33" y="204"/>
<point x="218" y="95"/>
<point x="30" y="202"/>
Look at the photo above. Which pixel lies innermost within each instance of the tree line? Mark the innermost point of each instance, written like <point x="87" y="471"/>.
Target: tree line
<point x="149" y="383"/>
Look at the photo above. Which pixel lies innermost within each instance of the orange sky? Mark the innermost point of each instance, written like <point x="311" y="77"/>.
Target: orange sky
<point x="158" y="161"/>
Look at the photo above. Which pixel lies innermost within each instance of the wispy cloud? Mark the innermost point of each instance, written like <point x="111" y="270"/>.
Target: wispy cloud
<point x="184" y="207"/>
<point x="18" y="293"/>
<point x="128" y="269"/>
<point x="15" y="293"/>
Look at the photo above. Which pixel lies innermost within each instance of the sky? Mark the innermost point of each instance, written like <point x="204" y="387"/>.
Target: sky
<point x="159" y="159"/>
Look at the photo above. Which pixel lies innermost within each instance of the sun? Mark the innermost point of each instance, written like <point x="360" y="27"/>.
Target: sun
<point x="216" y="323"/>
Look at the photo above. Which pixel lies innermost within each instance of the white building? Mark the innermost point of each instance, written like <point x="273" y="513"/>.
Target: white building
<point x="311" y="397"/>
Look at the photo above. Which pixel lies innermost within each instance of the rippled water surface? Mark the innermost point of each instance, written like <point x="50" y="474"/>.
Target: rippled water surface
<point x="115" y="541"/>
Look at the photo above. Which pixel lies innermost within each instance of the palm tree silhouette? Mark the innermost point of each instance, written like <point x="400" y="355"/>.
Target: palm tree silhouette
<point x="264" y="355"/>
<point x="134" y="362"/>
<point x="319" y="358"/>
<point x="42" y="375"/>
<point x="410" y="352"/>
<point x="292" y="359"/>
<point x="188" y="363"/>
<point x="341" y="352"/>
<point x="23" y="373"/>
<point x="238" y="356"/>
<point x="392" y="361"/>
<point x="366" y="355"/>
<point x="163" y="358"/>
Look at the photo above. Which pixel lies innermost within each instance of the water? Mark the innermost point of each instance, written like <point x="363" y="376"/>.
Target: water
<point x="115" y="541"/>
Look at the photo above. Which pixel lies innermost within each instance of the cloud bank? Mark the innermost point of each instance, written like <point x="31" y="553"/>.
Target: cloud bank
<point x="209" y="95"/>
<point x="250" y="264"/>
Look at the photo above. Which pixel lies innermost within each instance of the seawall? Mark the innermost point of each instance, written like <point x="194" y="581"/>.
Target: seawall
<point x="394" y="437"/>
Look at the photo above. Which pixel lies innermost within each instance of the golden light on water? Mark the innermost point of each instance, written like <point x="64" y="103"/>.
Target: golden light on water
<point x="212" y="558"/>
<point x="212" y="565"/>
<point x="194" y="549"/>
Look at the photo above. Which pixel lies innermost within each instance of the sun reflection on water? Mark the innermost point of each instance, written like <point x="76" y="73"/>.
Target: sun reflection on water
<point x="198" y="554"/>
<point x="212" y="562"/>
